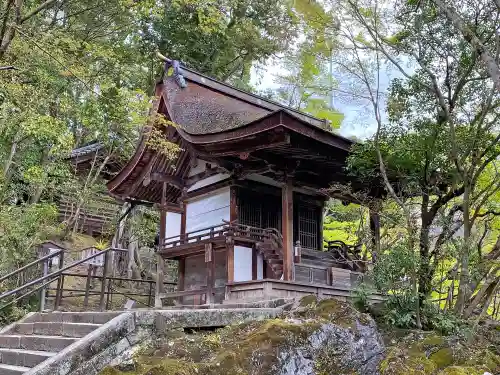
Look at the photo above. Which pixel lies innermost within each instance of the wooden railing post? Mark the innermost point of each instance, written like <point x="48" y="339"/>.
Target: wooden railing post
<point x="103" y="282"/>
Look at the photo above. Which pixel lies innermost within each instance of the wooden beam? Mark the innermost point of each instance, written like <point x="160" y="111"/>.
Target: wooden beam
<point x="236" y="148"/>
<point x="209" y="188"/>
<point x="160" y="263"/>
<point x="175" y="208"/>
<point x="142" y="175"/>
<point x="287" y="229"/>
<point x="190" y="181"/>
<point x="169" y="179"/>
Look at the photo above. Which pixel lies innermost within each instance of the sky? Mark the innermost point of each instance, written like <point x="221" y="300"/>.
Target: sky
<point x="358" y="119"/>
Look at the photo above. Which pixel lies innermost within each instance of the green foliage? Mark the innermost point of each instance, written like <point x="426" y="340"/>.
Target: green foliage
<point x="220" y="38"/>
<point x="361" y="296"/>
<point x="343" y="223"/>
<point x="445" y="322"/>
<point x="21" y="229"/>
<point x="307" y="85"/>
<point x="393" y="274"/>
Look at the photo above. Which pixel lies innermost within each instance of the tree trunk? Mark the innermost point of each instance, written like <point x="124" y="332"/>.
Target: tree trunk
<point x="35" y="198"/>
<point x="490" y="279"/>
<point x="489" y="296"/>
<point x="10" y="158"/>
<point x="463" y="287"/>
<point x="425" y="274"/>
<point x="9" y="34"/>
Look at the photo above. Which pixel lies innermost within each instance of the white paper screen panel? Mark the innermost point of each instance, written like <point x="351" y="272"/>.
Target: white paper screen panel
<point x="242" y="263"/>
<point x="208" y="211"/>
<point x="173" y="226"/>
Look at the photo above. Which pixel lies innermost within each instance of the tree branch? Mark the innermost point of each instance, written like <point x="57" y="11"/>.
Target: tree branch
<point x="489" y="62"/>
<point x="37" y="10"/>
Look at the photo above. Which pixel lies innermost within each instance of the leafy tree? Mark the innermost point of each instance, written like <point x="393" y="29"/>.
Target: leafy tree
<point x="441" y="134"/>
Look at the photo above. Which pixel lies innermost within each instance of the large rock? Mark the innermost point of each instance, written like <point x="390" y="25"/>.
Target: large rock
<point x="327" y="337"/>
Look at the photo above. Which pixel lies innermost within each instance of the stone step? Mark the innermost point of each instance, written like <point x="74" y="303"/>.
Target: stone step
<point x="36" y="342"/>
<point x="73" y="317"/>
<point x="21" y="357"/>
<point x="12" y="370"/>
<point x="56" y="328"/>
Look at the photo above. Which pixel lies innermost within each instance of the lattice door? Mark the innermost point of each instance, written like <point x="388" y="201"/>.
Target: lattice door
<point x="308" y="226"/>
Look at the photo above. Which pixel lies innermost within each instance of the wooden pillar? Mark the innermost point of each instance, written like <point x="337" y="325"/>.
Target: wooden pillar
<point x="321" y="225"/>
<point x="160" y="263"/>
<point x="254" y="263"/>
<point x="209" y="262"/>
<point x="233" y="216"/>
<point x="183" y="221"/>
<point x="287" y="229"/>
<point x="181" y="269"/>
<point x="375" y="233"/>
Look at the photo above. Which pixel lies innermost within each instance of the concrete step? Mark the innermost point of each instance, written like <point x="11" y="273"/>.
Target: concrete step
<point x="36" y="342"/>
<point x="73" y="317"/>
<point x="12" y="370"/>
<point x="21" y="357"/>
<point x="56" y="328"/>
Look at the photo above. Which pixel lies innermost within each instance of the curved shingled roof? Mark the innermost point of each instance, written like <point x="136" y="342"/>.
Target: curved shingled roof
<point x="218" y="122"/>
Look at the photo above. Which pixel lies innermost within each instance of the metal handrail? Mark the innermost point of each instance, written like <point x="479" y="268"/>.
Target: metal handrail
<point x="54" y="275"/>
<point x="27" y="294"/>
<point x="35" y="262"/>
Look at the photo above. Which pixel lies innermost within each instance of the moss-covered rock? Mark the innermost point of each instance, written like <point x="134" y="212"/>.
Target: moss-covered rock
<point x="432" y="354"/>
<point x="459" y="370"/>
<point x="442" y="358"/>
<point x="314" y="337"/>
<point x="400" y="362"/>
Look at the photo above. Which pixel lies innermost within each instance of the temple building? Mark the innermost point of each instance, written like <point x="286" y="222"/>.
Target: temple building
<point x="242" y="203"/>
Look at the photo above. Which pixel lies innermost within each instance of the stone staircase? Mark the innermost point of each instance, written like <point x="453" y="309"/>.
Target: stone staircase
<point x="39" y="336"/>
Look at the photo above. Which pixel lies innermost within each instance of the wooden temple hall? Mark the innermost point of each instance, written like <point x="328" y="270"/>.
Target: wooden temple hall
<point x="242" y="203"/>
